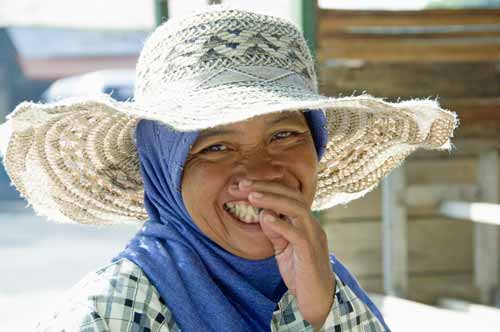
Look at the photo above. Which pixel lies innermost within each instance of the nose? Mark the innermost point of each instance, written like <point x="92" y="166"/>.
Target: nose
<point x="262" y="167"/>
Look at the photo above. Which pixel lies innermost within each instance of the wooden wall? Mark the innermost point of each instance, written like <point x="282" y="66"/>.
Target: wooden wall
<point x="440" y="257"/>
<point x="453" y="56"/>
<point x="439" y="35"/>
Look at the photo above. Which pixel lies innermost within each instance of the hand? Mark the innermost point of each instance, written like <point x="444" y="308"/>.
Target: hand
<point x="300" y="246"/>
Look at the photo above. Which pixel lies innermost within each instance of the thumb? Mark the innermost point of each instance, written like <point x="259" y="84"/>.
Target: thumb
<point x="272" y="232"/>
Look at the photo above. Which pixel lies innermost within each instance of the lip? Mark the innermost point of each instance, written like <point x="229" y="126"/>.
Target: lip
<point x="253" y="227"/>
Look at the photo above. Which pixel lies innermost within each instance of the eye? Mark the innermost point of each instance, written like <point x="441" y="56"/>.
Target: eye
<point x="214" y="148"/>
<point x="284" y="134"/>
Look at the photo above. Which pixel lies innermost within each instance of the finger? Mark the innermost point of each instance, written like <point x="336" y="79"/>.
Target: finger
<point x="273" y="234"/>
<point x="297" y="211"/>
<point x="268" y="186"/>
<point x="280" y="232"/>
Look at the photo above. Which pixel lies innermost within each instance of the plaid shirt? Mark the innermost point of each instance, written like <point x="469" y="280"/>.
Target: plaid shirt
<point x="119" y="298"/>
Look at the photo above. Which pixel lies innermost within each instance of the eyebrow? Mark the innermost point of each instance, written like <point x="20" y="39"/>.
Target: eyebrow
<point x="216" y="132"/>
<point x="284" y="116"/>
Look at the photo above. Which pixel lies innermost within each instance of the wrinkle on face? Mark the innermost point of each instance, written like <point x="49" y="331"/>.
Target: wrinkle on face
<point x="247" y="149"/>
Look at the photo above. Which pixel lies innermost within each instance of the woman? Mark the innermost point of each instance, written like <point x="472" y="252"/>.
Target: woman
<point x="225" y="151"/>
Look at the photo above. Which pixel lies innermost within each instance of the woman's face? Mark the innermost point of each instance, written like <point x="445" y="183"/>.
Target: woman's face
<point x="276" y="148"/>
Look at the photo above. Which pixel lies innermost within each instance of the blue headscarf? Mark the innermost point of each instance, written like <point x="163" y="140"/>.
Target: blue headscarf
<point x="202" y="284"/>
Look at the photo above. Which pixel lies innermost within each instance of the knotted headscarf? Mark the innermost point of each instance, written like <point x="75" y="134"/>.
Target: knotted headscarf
<point x="203" y="285"/>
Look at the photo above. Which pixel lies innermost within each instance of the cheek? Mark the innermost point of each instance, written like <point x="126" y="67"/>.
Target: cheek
<point x="305" y="163"/>
<point x="305" y="156"/>
<point x="200" y="182"/>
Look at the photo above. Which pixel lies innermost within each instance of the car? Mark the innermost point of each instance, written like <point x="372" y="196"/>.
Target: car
<point x="118" y="83"/>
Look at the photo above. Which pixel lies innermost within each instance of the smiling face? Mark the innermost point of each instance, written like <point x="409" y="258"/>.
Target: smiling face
<point x="276" y="147"/>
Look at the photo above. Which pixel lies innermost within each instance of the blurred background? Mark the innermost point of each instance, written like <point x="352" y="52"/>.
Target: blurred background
<point x="425" y="244"/>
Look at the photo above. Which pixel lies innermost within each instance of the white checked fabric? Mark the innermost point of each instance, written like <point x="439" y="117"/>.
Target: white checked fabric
<point x="118" y="297"/>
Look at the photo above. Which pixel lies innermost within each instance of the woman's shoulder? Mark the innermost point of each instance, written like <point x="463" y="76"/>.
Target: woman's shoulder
<point x="115" y="297"/>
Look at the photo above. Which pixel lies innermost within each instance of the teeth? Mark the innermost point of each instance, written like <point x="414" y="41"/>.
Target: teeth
<point x="243" y="211"/>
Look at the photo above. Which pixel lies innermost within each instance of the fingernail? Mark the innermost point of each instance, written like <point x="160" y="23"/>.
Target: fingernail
<point x="269" y="218"/>
<point x="256" y="194"/>
<point x="246" y="183"/>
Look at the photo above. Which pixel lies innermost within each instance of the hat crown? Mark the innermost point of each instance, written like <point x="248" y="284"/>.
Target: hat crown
<point x="183" y="53"/>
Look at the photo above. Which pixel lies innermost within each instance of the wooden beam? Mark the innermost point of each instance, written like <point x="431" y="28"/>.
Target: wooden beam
<point x="332" y="20"/>
<point x="464" y="147"/>
<point x="434" y="194"/>
<point x="410" y="50"/>
<point x="486" y="245"/>
<point x="474" y="110"/>
<point x="481" y="213"/>
<point x="395" y="238"/>
<point x="416" y="79"/>
<point x="419" y="33"/>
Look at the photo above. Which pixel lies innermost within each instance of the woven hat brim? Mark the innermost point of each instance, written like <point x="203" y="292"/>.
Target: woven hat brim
<point x="75" y="160"/>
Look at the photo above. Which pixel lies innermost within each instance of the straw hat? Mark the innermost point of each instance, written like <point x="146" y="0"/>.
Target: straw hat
<point x="75" y="160"/>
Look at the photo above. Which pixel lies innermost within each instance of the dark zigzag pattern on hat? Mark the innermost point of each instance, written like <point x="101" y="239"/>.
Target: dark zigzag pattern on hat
<point x="217" y="45"/>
